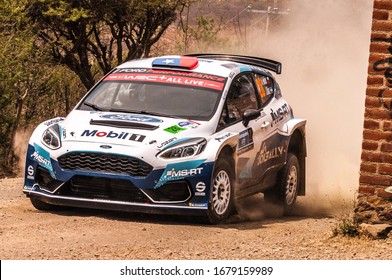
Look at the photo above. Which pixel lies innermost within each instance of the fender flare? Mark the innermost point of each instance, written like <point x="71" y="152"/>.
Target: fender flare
<point x="297" y="144"/>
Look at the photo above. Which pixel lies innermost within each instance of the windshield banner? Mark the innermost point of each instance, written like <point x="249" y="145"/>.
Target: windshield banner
<point x="166" y="77"/>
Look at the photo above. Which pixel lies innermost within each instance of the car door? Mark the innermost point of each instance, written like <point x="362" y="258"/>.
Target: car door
<point x="244" y="95"/>
<point x="271" y="150"/>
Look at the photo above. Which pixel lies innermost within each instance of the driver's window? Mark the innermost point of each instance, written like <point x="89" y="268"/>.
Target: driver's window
<point x="265" y="86"/>
<point x="241" y="96"/>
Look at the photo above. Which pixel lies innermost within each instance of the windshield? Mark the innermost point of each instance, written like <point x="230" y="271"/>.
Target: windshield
<point x="172" y="98"/>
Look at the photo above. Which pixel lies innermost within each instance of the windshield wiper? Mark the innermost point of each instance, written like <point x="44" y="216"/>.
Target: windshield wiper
<point x="142" y="112"/>
<point x="160" y="114"/>
<point x="126" y="111"/>
<point x="95" y="107"/>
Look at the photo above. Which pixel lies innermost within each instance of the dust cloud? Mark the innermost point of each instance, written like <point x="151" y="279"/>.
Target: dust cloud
<point x="20" y="145"/>
<point x="324" y="48"/>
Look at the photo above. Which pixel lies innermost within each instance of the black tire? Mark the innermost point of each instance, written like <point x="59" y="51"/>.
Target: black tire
<point x="42" y="206"/>
<point x="286" y="190"/>
<point x="221" y="204"/>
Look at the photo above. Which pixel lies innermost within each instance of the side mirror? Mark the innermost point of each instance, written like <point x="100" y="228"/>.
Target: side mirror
<point x="250" y="114"/>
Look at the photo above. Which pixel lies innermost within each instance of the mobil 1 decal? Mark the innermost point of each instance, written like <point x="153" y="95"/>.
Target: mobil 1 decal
<point x="111" y="134"/>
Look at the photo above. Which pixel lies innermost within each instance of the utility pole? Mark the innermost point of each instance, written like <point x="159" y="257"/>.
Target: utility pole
<point x="269" y="11"/>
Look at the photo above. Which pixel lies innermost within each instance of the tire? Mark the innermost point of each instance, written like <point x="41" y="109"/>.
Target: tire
<point x="221" y="204"/>
<point x="286" y="190"/>
<point x="42" y="206"/>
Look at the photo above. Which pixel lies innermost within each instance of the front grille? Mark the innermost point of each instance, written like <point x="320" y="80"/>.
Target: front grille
<point x="108" y="163"/>
<point x="103" y="188"/>
<point x="176" y="191"/>
<point x="45" y="180"/>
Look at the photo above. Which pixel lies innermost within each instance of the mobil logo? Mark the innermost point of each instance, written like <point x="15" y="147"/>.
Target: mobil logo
<point x="111" y="134"/>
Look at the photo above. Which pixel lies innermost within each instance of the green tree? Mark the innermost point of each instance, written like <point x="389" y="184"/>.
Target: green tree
<point x="91" y="37"/>
<point x="30" y="88"/>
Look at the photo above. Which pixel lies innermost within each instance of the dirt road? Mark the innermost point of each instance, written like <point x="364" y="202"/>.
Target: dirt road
<point x="26" y="233"/>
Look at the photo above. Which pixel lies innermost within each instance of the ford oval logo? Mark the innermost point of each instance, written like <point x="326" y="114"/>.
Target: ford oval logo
<point x="105" y="146"/>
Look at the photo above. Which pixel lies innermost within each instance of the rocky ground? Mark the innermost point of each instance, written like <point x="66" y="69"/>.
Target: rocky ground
<point x="258" y="233"/>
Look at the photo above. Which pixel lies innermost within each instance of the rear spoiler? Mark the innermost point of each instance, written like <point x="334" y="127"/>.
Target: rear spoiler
<point x="268" y="64"/>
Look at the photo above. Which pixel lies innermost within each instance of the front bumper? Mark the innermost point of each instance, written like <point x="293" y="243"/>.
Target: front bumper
<point x="123" y="206"/>
<point x="180" y="188"/>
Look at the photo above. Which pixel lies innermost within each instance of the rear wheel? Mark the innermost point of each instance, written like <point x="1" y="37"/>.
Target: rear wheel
<point x="221" y="203"/>
<point x="286" y="191"/>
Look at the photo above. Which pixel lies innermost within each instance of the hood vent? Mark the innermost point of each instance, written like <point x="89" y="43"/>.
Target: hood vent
<point x="124" y="124"/>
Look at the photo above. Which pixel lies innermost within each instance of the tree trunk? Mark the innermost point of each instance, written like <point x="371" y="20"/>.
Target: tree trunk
<point x="9" y="158"/>
<point x="66" y="95"/>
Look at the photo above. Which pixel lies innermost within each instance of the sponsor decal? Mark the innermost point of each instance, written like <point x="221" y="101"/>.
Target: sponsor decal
<point x="131" y="70"/>
<point x="173" y="173"/>
<point x="166" y="142"/>
<point x="43" y="158"/>
<point x="200" y="189"/>
<point x="266" y="155"/>
<point x="174" y="129"/>
<point x="245" y="169"/>
<point x="186" y="74"/>
<point x="197" y="204"/>
<point x="112" y="134"/>
<point x="132" y="118"/>
<point x="165" y="79"/>
<point x="179" y="171"/>
<point x="224" y="137"/>
<point x="188" y="124"/>
<point x="245" y="141"/>
<point x="30" y="172"/>
<point x="279" y="114"/>
<point x="56" y="120"/>
<point x="105" y="146"/>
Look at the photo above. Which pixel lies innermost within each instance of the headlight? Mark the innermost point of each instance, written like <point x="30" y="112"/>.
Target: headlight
<point x="185" y="149"/>
<point x="51" y="137"/>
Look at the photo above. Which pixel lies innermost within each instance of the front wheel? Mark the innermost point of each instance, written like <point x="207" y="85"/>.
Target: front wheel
<point x="43" y="206"/>
<point x="221" y="203"/>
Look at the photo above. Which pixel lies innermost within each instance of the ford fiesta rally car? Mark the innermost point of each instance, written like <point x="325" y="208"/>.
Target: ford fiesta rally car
<point x="174" y="134"/>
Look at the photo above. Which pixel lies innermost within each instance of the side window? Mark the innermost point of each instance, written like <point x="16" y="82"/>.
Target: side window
<point x="278" y="93"/>
<point x="265" y="86"/>
<point x="241" y="96"/>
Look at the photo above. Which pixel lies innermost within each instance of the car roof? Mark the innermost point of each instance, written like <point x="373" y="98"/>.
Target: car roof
<point x="172" y="62"/>
<point x="221" y="65"/>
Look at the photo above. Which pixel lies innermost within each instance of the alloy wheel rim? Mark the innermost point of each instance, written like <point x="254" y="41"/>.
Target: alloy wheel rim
<point x="291" y="185"/>
<point x="221" y="192"/>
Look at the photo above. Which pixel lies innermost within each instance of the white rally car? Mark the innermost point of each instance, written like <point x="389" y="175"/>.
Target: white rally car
<point x="175" y="134"/>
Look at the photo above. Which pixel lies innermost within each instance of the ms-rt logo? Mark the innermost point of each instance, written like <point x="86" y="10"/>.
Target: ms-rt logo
<point x="173" y="173"/>
<point x="112" y="134"/>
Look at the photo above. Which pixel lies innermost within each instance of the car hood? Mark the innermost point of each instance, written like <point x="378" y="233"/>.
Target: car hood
<point x="135" y="130"/>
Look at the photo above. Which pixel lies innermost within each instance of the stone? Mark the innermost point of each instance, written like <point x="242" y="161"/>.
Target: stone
<point x="377" y="231"/>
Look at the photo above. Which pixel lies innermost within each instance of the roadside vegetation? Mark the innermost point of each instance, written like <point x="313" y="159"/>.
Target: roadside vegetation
<point x="53" y="51"/>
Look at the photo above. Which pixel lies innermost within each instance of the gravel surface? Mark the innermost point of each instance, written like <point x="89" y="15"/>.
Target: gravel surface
<point x="257" y="233"/>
